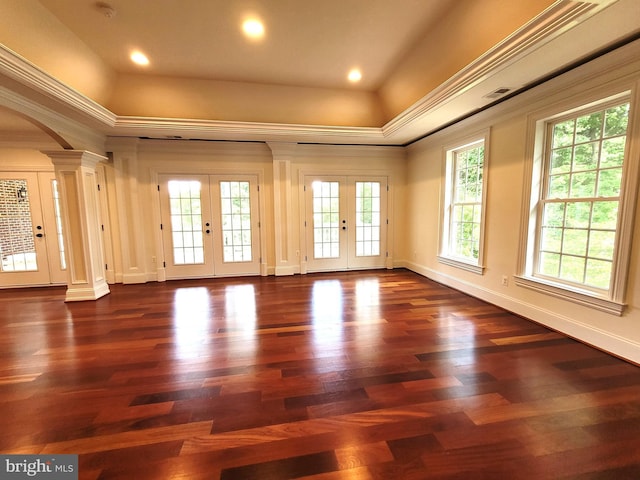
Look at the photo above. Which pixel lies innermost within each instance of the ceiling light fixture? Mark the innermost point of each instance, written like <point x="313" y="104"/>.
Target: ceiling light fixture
<point x="355" y="75"/>
<point x="139" y="58"/>
<point x="253" y="28"/>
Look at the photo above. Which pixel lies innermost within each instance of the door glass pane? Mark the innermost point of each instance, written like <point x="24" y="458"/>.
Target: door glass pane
<point x="326" y="219"/>
<point x="235" y="206"/>
<point x="56" y="207"/>
<point x="17" y="246"/>
<point x="186" y="221"/>
<point x="367" y="219"/>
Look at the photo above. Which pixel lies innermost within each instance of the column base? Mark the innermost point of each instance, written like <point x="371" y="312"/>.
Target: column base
<point x="82" y="293"/>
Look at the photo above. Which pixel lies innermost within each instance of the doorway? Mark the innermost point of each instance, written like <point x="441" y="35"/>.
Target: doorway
<point x="210" y="225"/>
<point x="345" y="222"/>
<point x="31" y="242"/>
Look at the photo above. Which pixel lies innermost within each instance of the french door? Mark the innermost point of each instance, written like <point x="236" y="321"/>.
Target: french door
<point x="210" y="225"/>
<point x="31" y="244"/>
<point x="346" y="222"/>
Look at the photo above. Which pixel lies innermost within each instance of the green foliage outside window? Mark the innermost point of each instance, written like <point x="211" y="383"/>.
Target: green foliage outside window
<point x="582" y="196"/>
<point x="466" y="211"/>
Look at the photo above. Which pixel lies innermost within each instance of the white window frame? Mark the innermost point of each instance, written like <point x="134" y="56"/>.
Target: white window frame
<point x="446" y="255"/>
<point x="610" y="300"/>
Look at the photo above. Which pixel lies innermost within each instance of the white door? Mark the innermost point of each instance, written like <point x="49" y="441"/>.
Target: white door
<point x="31" y="244"/>
<point x="346" y="222"/>
<point x="210" y="225"/>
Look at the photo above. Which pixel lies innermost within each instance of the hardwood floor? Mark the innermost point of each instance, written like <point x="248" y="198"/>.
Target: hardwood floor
<point x="359" y="375"/>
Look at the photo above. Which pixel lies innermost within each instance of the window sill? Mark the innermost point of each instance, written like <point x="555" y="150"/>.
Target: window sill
<point x="580" y="297"/>
<point x="469" y="267"/>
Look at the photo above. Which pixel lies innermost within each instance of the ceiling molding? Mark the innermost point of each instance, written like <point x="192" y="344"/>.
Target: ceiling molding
<point x="230" y="130"/>
<point x="26" y="73"/>
<point x="554" y="21"/>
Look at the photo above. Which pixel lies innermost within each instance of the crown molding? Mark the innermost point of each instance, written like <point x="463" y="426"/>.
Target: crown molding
<point x="232" y="130"/>
<point x="554" y="21"/>
<point x="26" y="73"/>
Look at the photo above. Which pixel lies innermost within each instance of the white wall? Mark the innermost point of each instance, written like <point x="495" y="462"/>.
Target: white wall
<point x="507" y="151"/>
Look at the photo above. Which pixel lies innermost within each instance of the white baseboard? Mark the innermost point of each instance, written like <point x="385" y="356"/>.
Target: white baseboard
<point x="601" y="339"/>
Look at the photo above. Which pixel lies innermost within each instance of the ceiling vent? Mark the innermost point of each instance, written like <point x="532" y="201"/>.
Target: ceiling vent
<point x="497" y="93"/>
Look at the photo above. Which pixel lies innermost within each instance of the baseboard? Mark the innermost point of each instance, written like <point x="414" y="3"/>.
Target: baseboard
<point x="131" y="278"/>
<point x="283" y="271"/>
<point x="603" y="340"/>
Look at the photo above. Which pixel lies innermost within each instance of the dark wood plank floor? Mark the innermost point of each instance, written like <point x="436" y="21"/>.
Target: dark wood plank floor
<point x="359" y="375"/>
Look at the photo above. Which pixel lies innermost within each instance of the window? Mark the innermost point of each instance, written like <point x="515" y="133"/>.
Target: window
<point x="464" y="199"/>
<point x="368" y="221"/>
<point x="326" y="219"/>
<point x="186" y="221"/>
<point x="235" y="204"/>
<point x="575" y="246"/>
<point x="58" y="214"/>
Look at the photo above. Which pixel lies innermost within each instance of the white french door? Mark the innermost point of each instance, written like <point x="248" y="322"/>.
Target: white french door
<point x="31" y="244"/>
<point x="346" y="222"/>
<point x="210" y="225"/>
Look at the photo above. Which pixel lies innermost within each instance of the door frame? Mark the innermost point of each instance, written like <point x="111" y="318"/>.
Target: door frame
<point x="156" y="215"/>
<point x="302" y="174"/>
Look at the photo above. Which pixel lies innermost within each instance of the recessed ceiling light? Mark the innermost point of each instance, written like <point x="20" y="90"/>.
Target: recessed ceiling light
<point x="253" y="28"/>
<point x="355" y="75"/>
<point x="139" y="58"/>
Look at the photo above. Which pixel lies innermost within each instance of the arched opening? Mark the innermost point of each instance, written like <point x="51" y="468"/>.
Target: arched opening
<point x="31" y="241"/>
<point x="18" y="130"/>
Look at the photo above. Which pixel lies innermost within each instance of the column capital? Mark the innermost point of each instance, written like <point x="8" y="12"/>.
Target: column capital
<point x="281" y="150"/>
<point x="74" y="158"/>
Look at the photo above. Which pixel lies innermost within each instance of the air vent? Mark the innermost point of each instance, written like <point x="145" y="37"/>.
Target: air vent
<point x="498" y="92"/>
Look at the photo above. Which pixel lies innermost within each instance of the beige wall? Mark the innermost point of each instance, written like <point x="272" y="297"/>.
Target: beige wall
<point x="508" y="149"/>
<point x="174" y="97"/>
<point x="156" y="157"/>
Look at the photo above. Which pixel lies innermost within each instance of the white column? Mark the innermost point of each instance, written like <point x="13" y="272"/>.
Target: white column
<point x="78" y="190"/>
<point x="130" y="221"/>
<point x="286" y="261"/>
